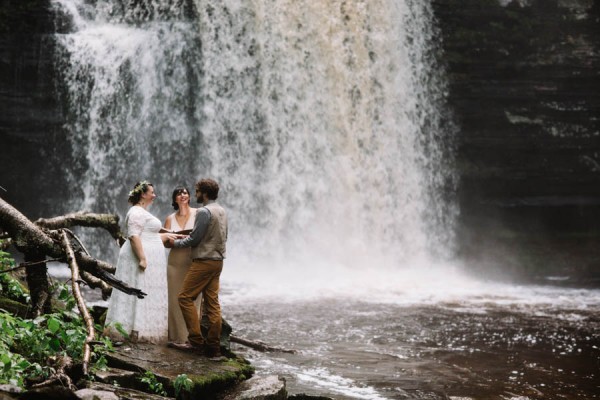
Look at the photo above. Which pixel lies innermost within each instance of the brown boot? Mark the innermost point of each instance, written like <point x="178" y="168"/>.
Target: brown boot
<point x="212" y="352"/>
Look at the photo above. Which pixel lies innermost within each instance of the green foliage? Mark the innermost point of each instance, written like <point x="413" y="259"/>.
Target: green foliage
<point x="65" y="296"/>
<point x="121" y="330"/>
<point x="153" y="384"/>
<point x="182" y="382"/>
<point x="9" y="286"/>
<point x="15" y="366"/>
<point x="26" y="345"/>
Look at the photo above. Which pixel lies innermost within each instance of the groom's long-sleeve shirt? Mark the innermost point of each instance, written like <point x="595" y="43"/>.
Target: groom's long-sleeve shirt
<point x="200" y="228"/>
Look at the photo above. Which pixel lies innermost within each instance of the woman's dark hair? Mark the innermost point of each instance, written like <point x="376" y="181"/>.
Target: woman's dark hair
<point x="208" y="187"/>
<point x="138" y="189"/>
<point x="178" y="190"/>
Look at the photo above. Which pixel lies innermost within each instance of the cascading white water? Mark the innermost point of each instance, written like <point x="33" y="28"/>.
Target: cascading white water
<point x="322" y="121"/>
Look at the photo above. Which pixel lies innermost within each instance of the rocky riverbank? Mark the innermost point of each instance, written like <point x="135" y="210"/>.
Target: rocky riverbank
<point x="139" y="371"/>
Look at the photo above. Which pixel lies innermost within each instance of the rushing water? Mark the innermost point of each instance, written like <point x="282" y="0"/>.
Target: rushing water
<point x="321" y="120"/>
<point x="474" y="341"/>
<point x="324" y="123"/>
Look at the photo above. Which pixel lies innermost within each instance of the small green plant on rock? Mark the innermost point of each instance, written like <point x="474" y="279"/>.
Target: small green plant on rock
<point x="182" y="382"/>
<point x="153" y="384"/>
<point x="9" y="286"/>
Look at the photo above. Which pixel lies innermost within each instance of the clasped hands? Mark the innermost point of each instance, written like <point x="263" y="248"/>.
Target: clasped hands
<point x="168" y="239"/>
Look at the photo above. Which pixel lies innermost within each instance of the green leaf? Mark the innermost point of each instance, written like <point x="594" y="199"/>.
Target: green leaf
<point x="64" y="294"/>
<point x="121" y="330"/>
<point x="53" y="325"/>
<point x="54" y="344"/>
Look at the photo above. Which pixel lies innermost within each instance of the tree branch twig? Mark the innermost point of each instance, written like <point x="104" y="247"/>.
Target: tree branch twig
<point x="260" y="346"/>
<point x="89" y="323"/>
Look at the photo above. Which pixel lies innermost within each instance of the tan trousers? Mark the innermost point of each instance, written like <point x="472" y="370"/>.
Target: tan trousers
<point x="202" y="277"/>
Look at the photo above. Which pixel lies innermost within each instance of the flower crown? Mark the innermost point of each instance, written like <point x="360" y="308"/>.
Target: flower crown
<point x="139" y="188"/>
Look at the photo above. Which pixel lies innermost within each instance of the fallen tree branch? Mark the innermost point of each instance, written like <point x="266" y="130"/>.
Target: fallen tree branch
<point x="29" y="264"/>
<point x="260" y="346"/>
<point x="38" y="283"/>
<point x="95" y="268"/>
<point x="60" y="376"/>
<point x="109" y="222"/>
<point x="89" y="323"/>
<point x="96" y="283"/>
<point x="100" y="264"/>
<point x="28" y="237"/>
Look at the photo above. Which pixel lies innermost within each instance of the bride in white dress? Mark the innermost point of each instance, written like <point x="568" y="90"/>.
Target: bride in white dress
<point x="142" y="264"/>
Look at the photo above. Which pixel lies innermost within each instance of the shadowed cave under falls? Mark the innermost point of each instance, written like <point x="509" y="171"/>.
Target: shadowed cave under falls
<point x="328" y="128"/>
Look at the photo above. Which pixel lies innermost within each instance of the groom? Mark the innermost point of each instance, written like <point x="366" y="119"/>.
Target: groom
<point x="207" y="241"/>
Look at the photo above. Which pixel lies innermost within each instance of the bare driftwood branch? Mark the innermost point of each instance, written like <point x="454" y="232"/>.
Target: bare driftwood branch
<point x="109" y="222"/>
<point x="38" y="282"/>
<point x="24" y="233"/>
<point x="29" y="237"/>
<point x="96" y="283"/>
<point x="28" y="264"/>
<point x="60" y="376"/>
<point x="99" y="269"/>
<point x="100" y="264"/>
<point x="260" y="346"/>
<point x="89" y="323"/>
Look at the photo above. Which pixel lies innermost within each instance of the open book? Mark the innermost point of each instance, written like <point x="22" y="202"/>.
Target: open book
<point x="183" y="232"/>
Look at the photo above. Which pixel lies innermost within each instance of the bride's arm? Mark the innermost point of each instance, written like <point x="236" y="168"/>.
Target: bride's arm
<point x="138" y="250"/>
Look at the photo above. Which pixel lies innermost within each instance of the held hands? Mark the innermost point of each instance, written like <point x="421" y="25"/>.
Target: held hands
<point x="169" y="239"/>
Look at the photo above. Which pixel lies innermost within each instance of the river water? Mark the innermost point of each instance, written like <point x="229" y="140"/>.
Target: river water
<point x="444" y="337"/>
<point x="429" y="334"/>
<point x="326" y="124"/>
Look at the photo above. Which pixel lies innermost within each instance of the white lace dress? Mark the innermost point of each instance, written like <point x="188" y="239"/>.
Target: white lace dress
<point x="144" y="319"/>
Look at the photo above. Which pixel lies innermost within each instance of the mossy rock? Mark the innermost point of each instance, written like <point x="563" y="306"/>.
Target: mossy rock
<point x="209" y="377"/>
<point x="14" y="307"/>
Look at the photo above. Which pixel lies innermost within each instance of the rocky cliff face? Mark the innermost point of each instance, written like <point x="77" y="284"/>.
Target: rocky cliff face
<point x="30" y="117"/>
<point x="525" y="89"/>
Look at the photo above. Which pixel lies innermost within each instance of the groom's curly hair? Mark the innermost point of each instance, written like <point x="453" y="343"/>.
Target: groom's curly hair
<point x="209" y="187"/>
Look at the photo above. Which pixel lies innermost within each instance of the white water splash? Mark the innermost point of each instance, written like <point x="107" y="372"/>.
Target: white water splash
<point x="322" y="121"/>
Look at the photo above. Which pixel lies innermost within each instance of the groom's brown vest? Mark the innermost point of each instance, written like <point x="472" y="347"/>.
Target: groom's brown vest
<point x="212" y="245"/>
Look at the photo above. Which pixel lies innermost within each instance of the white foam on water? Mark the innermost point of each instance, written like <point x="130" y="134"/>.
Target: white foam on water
<point x="322" y="378"/>
<point x="443" y="285"/>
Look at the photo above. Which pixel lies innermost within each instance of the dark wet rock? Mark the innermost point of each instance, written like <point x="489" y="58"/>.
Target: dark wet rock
<point x="49" y="393"/>
<point x="116" y="376"/>
<point x="9" y="392"/>
<point x="269" y="387"/>
<point x="302" y="396"/>
<point x="523" y="86"/>
<point x="30" y="115"/>
<point x="14" y="307"/>
<point x="96" y="394"/>
<point x="209" y="377"/>
<point x="121" y="393"/>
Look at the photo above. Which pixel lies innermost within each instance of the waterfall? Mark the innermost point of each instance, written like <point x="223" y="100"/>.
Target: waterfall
<point x="323" y="122"/>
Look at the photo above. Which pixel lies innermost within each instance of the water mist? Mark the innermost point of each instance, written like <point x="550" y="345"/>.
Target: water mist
<point x="322" y="121"/>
